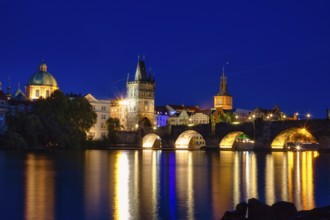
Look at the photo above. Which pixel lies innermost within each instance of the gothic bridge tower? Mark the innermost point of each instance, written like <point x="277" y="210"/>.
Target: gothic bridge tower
<point x="140" y="99"/>
<point x="223" y="100"/>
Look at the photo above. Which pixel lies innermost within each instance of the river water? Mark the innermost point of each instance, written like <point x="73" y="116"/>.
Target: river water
<point x="153" y="184"/>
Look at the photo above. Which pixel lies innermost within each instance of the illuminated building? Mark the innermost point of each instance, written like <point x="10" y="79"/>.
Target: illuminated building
<point x="188" y="115"/>
<point x="274" y="114"/>
<point x="102" y="110"/>
<point x="223" y="100"/>
<point x="242" y="115"/>
<point x="179" y="118"/>
<point x="201" y="117"/>
<point x="118" y="109"/>
<point x="41" y="84"/>
<point x="140" y="99"/>
<point x="161" y="116"/>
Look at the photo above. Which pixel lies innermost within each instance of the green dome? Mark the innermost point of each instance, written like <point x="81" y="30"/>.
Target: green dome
<point x="42" y="77"/>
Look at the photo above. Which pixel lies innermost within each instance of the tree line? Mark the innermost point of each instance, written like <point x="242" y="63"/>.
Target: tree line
<point x="55" y="122"/>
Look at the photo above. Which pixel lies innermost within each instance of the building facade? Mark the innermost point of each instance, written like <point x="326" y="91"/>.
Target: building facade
<point x="140" y="99"/>
<point x="41" y="84"/>
<point x="201" y="117"/>
<point x="161" y="116"/>
<point x="223" y="100"/>
<point x="102" y="110"/>
<point x="118" y="109"/>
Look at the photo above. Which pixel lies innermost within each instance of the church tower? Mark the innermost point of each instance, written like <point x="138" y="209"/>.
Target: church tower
<point x="140" y="99"/>
<point x="223" y="100"/>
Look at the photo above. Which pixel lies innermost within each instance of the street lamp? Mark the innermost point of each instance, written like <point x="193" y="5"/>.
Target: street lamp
<point x="308" y="116"/>
<point x="284" y="117"/>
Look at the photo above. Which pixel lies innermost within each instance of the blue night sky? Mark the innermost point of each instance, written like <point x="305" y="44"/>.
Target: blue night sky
<point x="278" y="51"/>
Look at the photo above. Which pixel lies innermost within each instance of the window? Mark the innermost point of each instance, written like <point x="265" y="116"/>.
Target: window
<point x="102" y="134"/>
<point x="102" y="125"/>
<point x="37" y="93"/>
<point x="102" y="116"/>
<point x="47" y="93"/>
<point x="103" y="108"/>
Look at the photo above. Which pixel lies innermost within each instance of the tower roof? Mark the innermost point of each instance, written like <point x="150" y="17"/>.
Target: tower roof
<point x="141" y="73"/>
<point x="223" y="84"/>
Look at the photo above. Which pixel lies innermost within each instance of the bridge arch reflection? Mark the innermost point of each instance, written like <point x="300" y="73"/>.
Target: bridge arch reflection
<point x="190" y="139"/>
<point x="293" y="135"/>
<point x="151" y="141"/>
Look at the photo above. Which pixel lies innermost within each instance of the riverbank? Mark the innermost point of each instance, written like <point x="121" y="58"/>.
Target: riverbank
<point x="256" y="210"/>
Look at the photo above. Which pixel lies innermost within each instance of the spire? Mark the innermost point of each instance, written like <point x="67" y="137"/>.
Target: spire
<point x="223" y="83"/>
<point x="140" y="73"/>
<point x="43" y="66"/>
<point x="8" y="87"/>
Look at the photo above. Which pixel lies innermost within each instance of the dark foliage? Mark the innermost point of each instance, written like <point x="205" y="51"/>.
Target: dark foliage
<point x="57" y="121"/>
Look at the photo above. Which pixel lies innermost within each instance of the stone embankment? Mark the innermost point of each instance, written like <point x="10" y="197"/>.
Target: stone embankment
<point x="256" y="210"/>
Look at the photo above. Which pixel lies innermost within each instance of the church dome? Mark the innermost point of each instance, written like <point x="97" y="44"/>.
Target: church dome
<point x="42" y="77"/>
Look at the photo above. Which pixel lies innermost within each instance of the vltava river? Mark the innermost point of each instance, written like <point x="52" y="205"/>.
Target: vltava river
<point x="152" y="184"/>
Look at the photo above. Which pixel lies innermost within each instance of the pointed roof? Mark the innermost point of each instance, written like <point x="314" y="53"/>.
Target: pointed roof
<point x="223" y="83"/>
<point x="21" y="97"/>
<point x="141" y="73"/>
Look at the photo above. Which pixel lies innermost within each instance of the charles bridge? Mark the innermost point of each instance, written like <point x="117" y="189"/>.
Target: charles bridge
<point x="264" y="135"/>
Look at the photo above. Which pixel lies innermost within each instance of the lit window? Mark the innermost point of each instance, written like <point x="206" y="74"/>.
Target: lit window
<point x="37" y="93"/>
<point x="47" y="93"/>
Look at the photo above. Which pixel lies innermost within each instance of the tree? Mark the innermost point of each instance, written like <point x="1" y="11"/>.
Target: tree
<point x="65" y="120"/>
<point x="113" y="125"/>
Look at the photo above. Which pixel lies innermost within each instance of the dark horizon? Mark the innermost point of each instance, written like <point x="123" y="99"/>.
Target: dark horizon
<point x="278" y="53"/>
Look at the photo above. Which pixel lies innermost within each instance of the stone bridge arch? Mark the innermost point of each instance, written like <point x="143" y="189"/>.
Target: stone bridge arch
<point x="151" y="140"/>
<point x="228" y="141"/>
<point x="190" y="139"/>
<point x="293" y="135"/>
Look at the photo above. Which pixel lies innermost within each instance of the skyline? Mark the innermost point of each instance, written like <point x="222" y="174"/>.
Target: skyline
<point x="277" y="53"/>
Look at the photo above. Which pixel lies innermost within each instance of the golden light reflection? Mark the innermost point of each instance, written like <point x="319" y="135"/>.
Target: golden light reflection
<point x="39" y="188"/>
<point x="251" y="175"/>
<point x="190" y="188"/>
<point x="270" y="184"/>
<point x="237" y="179"/>
<point x="244" y="177"/>
<point x="290" y="177"/>
<point x="149" y="178"/>
<point x="121" y="197"/>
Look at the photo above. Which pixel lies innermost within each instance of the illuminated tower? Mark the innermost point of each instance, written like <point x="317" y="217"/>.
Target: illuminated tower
<point x="223" y="100"/>
<point x="41" y="83"/>
<point x="140" y="99"/>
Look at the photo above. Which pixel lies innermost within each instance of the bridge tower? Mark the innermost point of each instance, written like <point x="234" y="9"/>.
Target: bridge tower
<point x="223" y="100"/>
<point x="140" y="99"/>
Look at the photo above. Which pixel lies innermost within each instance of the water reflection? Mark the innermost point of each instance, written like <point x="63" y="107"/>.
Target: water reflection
<point x="39" y="188"/>
<point x="121" y="200"/>
<point x="150" y="184"/>
<point x="290" y="177"/>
